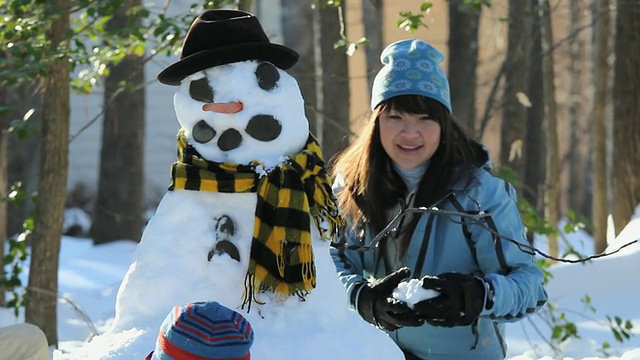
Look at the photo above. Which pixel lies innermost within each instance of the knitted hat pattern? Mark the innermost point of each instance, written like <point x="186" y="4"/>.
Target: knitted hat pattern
<point x="203" y="330"/>
<point x="411" y="67"/>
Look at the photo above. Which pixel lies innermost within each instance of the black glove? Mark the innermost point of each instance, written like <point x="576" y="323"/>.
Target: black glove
<point x="377" y="306"/>
<point x="460" y="301"/>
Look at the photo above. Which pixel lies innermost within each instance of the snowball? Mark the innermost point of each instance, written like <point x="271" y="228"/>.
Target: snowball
<point x="412" y="292"/>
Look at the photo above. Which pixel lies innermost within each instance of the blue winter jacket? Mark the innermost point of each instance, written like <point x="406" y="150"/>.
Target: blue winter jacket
<point x="452" y="244"/>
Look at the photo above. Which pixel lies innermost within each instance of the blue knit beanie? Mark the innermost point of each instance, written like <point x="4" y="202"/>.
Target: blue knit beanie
<point x="203" y="330"/>
<point x="411" y="67"/>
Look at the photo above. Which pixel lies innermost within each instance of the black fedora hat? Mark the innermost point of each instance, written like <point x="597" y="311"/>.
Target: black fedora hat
<point x="224" y="36"/>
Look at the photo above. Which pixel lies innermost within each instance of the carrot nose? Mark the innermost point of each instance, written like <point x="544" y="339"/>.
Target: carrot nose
<point x="223" y="108"/>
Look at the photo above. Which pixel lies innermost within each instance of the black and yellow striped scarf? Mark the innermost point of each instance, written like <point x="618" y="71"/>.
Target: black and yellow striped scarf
<point x="298" y="188"/>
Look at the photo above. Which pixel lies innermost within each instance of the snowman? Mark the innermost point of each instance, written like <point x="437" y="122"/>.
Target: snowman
<point x="250" y="214"/>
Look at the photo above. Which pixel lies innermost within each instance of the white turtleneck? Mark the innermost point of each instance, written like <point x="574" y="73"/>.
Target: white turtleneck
<point x="411" y="177"/>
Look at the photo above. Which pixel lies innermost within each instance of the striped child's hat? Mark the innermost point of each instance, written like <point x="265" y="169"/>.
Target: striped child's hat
<point x="203" y="330"/>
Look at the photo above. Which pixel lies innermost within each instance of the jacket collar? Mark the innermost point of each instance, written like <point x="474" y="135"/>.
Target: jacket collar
<point x="468" y="178"/>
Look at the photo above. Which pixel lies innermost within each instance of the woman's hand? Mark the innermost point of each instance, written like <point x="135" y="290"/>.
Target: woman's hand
<point x="377" y="306"/>
<point x="460" y="301"/>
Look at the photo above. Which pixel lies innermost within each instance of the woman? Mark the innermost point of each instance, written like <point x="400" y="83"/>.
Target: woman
<point x="462" y="244"/>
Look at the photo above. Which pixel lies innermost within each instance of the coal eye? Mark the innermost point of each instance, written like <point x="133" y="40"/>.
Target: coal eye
<point x="264" y="127"/>
<point x="202" y="132"/>
<point x="200" y="90"/>
<point x="267" y="76"/>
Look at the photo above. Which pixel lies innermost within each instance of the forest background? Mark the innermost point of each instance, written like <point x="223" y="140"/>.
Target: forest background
<point x="552" y="88"/>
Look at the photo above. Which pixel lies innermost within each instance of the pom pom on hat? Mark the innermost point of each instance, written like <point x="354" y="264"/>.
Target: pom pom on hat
<point x="411" y="67"/>
<point x="203" y="330"/>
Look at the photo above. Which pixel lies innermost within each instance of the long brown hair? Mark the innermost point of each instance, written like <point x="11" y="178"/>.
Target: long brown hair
<point x="372" y="186"/>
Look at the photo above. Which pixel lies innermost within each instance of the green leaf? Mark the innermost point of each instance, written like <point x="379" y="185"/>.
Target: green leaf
<point x="426" y="6"/>
<point x="139" y="50"/>
<point x="410" y="22"/>
<point x="617" y="335"/>
<point x="628" y="325"/>
<point x="22" y="129"/>
<point x="362" y="41"/>
<point x="340" y="43"/>
<point x="29" y="224"/>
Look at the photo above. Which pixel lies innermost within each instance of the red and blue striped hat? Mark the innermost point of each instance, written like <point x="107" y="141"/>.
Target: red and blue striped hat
<point x="203" y="331"/>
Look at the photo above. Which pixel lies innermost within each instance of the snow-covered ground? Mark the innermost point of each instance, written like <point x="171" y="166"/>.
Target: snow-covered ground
<point x="90" y="277"/>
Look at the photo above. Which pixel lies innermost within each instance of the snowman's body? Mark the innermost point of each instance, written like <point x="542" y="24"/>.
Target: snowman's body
<point x="173" y="241"/>
<point x="188" y="243"/>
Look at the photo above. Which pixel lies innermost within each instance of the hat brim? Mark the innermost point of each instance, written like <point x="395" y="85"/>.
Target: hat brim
<point x="278" y="55"/>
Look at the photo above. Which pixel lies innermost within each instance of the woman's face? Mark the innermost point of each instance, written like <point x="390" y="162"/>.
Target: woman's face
<point x="409" y="139"/>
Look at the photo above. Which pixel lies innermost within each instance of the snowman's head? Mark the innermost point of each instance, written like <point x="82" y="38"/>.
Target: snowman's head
<point x="243" y="111"/>
<point x="235" y="101"/>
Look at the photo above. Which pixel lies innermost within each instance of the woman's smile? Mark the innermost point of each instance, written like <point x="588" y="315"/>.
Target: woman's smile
<point x="410" y="140"/>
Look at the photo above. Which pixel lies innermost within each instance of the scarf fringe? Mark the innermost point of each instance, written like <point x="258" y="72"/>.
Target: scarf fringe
<point x="249" y="295"/>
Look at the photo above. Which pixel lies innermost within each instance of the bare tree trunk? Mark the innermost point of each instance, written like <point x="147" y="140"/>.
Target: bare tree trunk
<point x="335" y="82"/>
<point x="245" y="5"/>
<point x="535" y="149"/>
<point x="119" y="207"/>
<point x="4" y="188"/>
<point x="298" y="15"/>
<point x="626" y="112"/>
<point x="372" y="17"/>
<point x="41" y="296"/>
<point x="599" y="206"/>
<point x="463" y="60"/>
<point x="491" y="100"/>
<point x="578" y="142"/>
<point x="514" y="113"/>
<point x="551" y="127"/>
